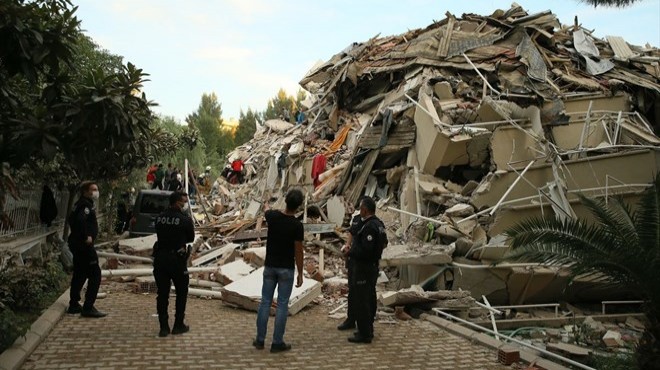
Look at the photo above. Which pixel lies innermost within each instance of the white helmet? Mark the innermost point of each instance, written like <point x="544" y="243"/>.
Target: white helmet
<point x="208" y="168"/>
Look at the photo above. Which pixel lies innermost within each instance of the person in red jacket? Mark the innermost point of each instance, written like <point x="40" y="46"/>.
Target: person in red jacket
<point x="151" y="174"/>
<point x="236" y="175"/>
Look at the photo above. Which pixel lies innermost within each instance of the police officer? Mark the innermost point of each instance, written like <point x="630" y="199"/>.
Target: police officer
<point x="84" y="229"/>
<point x="349" y="323"/>
<point x="174" y="229"/>
<point x="365" y="253"/>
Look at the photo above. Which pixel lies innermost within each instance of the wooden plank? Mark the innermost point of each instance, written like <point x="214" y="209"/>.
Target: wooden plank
<point x="219" y="253"/>
<point x="250" y="235"/>
<point x="352" y="193"/>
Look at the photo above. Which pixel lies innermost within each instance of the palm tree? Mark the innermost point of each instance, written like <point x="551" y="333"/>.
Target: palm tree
<point x="621" y="244"/>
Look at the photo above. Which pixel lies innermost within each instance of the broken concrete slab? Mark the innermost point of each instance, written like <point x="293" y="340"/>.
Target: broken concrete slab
<point x="233" y="271"/>
<point x="396" y="255"/>
<point x="336" y="210"/>
<point x="415" y="294"/>
<point x="138" y="246"/>
<point x="255" y="256"/>
<point x="246" y="293"/>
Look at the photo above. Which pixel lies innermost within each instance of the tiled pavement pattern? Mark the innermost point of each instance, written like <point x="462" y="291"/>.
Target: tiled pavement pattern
<point x="221" y="337"/>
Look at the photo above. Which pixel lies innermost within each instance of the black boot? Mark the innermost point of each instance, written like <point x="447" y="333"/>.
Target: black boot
<point x="164" y="330"/>
<point x="163" y="320"/>
<point x="179" y="327"/>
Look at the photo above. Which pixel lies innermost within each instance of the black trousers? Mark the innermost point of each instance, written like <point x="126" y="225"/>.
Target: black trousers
<point x="169" y="267"/>
<point x="350" y="311"/>
<point x="362" y="296"/>
<point x="85" y="268"/>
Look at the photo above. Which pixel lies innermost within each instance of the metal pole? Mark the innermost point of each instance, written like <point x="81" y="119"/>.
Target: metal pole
<point x="418" y="216"/>
<point x="541" y="350"/>
<point x="124" y="257"/>
<point x="515" y="182"/>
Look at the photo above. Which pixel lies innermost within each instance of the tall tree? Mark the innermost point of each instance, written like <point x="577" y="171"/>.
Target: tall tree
<point x="622" y="245"/>
<point x="279" y="104"/>
<point x="208" y="120"/>
<point x="247" y="125"/>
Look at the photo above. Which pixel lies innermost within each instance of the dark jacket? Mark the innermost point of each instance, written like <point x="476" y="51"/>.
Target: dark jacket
<point x="48" y="207"/>
<point x="369" y="241"/>
<point x="174" y="229"/>
<point x="83" y="222"/>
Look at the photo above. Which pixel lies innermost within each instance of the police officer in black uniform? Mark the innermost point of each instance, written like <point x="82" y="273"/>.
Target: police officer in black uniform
<point x="84" y="229"/>
<point x="365" y="253"/>
<point x="349" y="323"/>
<point x="174" y="229"/>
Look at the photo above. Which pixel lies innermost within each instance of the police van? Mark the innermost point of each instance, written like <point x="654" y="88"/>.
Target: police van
<point x="148" y="205"/>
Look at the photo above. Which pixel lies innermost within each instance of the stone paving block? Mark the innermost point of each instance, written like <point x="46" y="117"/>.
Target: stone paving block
<point x="221" y="337"/>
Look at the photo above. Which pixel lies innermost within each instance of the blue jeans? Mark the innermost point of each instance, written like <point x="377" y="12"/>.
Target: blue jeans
<point x="283" y="279"/>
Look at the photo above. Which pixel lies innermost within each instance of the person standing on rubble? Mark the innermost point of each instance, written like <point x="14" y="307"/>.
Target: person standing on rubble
<point x="367" y="247"/>
<point x="283" y="248"/>
<point x="84" y="230"/>
<point x="174" y="229"/>
<point x="300" y="117"/>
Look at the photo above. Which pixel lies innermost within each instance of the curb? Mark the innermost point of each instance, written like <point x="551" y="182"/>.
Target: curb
<point x="14" y="357"/>
<point x="526" y="354"/>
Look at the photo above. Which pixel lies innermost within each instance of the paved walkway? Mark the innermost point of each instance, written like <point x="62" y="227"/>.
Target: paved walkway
<point x="221" y="337"/>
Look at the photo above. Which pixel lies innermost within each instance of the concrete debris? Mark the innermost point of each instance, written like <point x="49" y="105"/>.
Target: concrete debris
<point x="246" y="293"/>
<point x="612" y="339"/>
<point x="415" y="294"/>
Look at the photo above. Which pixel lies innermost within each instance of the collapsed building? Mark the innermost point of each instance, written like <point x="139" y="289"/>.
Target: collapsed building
<point x="464" y="128"/>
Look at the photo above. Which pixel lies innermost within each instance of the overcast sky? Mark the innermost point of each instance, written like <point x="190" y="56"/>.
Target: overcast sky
<point x="245" y="50"/>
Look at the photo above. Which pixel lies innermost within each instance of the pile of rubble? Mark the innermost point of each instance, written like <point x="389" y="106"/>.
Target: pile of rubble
<point x="459" y="131"/>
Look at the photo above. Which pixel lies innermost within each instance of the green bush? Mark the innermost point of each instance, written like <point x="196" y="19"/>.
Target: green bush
<point x="24" y="292"/>
<point x="11" y="326"/>
<point x="28" y="287"/>
<point x="615" y="362"/>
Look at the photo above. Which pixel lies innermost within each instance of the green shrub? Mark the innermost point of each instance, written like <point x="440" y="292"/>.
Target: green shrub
<point x="24" y="292"/>
<point x="621" y="361"/>
<point x="11" y="327"/>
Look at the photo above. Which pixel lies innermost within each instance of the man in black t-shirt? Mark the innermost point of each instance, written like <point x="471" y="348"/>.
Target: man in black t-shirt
<point x="283" y="248"/>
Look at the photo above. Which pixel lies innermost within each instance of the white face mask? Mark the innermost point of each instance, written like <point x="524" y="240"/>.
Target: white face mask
<point x="95" y="195"/>
<point x="185" y="207"/>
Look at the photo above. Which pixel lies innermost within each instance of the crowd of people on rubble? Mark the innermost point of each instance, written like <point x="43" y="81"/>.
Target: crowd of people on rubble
<point x="299" y="116"/>
<point x="171" y="177"/>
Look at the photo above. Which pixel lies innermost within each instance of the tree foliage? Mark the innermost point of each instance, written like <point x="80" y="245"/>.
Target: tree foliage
<point x="614" y="3"/>
<point x="36" y="41"/>
<point x="281" y="103"/>
<point x="62" y="94"/>
<point x="208" y="120"/>
<point x="247" y="126"/>
<point x="623" y="245"/>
